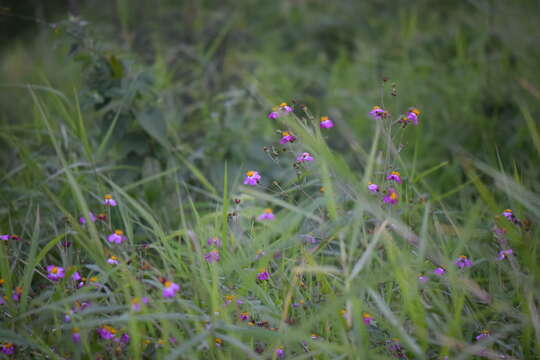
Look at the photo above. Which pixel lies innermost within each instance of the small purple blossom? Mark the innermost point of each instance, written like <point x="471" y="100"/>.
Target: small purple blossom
<point x="280" y="352"/>
<point x="106" y="332"/>
<point x="273" y="115"/>
<point x="367" y="318"/>
<point x="117" y="237"/>
<point x="326" y="123"/>
<point x="170" y="289"/>
<point x="377" y="113"/>
<point x="304" y="157"/>
<point x="286" y="108"/>
<point x="244" y="316"/>
<point x="4" y="237"/>
<point x="91" y="216"/>
<point x="75" y="336"/>
<point x="394" y="176"/>
<point x="7" y="348"/>
<point x="266" y="215"/>
<point x="483" y="334"/>
<point x="439" y="271"/>
<point x="463" y="262"/>
<point x="108" y="200"/>
<point x="55" y="273"/>
<point x="76" y="276"/>
<point x="136" y="303"/>
<point x="252" y="178"/>
<point x="391" y="197"/>
<point x="510" y="216"/>
<point x="263" y="275"/>
<point x="212" y="256"/>
<point x="113" y="260"/>
<point x="374" y="188"/>
<point x="503" y="254"/>
<point x="287" y="137"/>
<point x="423" y="279"/>
<point x="214" y="241"/>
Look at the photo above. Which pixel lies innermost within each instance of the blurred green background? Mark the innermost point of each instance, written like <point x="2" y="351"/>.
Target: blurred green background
<point x="197" y="78"/>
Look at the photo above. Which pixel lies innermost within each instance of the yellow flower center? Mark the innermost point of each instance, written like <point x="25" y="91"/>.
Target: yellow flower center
<point x="324" y="118"/>
<point x="366" y="315"/>
<point x="415" y="111"/>
<point x="135" y="301"/>
<point x="267" y="211"/>
<point x="395" y="173"/>
<point x="93" y="279"/>
<point x="218" y="341"/>
<point x="508" y="210"/>
<point x="376" y="107"/>
<point x="168" y="283"/>
<point x="54" y="270"/>
<point x="282" y="104"/>
<point x="109" y="329"/>
<point x="393" y="196"/>
<point x="2" y="282"/>
<point x="75" y="330"/>
<point x="229" y="297"/>
<point x="285" y="133"/>
<point x="114" y="258"/>
<point x="250" y="173"/>
<point x="119" y="232"/>
<point x="107" y="197"/>
<point x="462" y="257"/>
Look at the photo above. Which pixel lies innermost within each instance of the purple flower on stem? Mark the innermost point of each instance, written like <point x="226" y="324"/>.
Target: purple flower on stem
<point x="326" y="123"/>
<point x="287" y="137"/>
<point x="439" y="271"/>
<point x="483" y="334"/>
<point x="7" y="348"/>
<point x="374" y="188"/>
<point x="286" y="108"/>
<point x="55" y="273"/>
<point x="266" y="215"/>
<point x="273" y="115"/>
<point x="117" y="237"/>
<point x="463" y="262"/>
<point x="244" y="316"/>
<point x="391" y="197"/>
<point x="503" y="254"/>
<point x="106" y="332"/>
<point x="304" y="157"/>
<point x="136" y="303"/>
<point x="4" y="237"/>
<point x="423" y="279"/>
<point x="394" y="176"/>
<point x="510" y="216"/>
<point x="170" y="289"/>
<point x="76" y="276"/>
<point x="124" y="339"/>
<point x="263" y="275"/>
<point x="412" y="115"/>
<point x="377" y="113"/>
<point x="212" y="256"/>
<point x="17" y="294"/>
<point x="280" y="352"/>
<point x="252" y="178"/>
<point x="367" y="318"/>
<point x="75" y="336"/>
<point x="91" y="216"/>
<point x="108" y="200"/>
<point x="214" y="241"/>
<point x="113" y="260"/>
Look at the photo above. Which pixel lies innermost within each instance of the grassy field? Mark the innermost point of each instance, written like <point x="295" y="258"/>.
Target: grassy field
<point x="134" y="226"/>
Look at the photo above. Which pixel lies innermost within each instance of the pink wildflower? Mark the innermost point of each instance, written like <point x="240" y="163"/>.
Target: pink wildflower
<point x="410" y="117"/>
<point x="287" y="137"/>
<point x="367" y="318"/>
<point x="326" y="123"/>
<point x="55" y="273"/>
<point x="108" y="200"/>
<point x="463" y="262"/>
<point x="394" y="176"/>
<point x="170" y="289"/>
<point x="266" y="215"/>
<point x="391" y="197"/>
<point x="304" y="157"/>
<point x="4" y="237"/>
<point x="252" y="178"/>
<point x="212" y="256"/>
<point x="273" y="115"/>
<point x="286" y="108"/>
<point x="113" y="260"/>
<point x="117" y="237"/>
<point x="439" y="271"/>
<point x="377" y="113"/>
<point x="91" y="216"/>
<point x="504" y="254"/>
<point x="263" y="275"/>
<point x="374" y="188"/>
<point x="214" y="241"/>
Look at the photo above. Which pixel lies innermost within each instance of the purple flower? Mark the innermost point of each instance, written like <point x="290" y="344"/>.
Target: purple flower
<point x="483" y="334"/>
<point x="280" y="352"/>
<point x="108" y="200"/>
<point x="76" y="276"/>
<point x="287" y="137"/>
<point x="367" y="318"/>
<point x="266" y="215"/>
<point x="170" y="289"/>
<point x="286" y="108"/>
<point x="91" y="216"/>
<point x="7" y="348"/>
<point x="394" y="176"/>
<point x="136" y="303"/>
<point x="113" y="260"/>
<point x="3" y="300"/>
<point x="124" y="339"/>
<point x="4" y="237"/>
<point x="439" y="271"/>
<point x="304" y="157"/>
<point x="106" y="332"/>
<point x="67" y="316"/>
<point x="326" y="123"/>
<point x="75" y="336"/>
<point x="214" y="241"/>
<point x="463" y="262"/>
<point x="244" y="316"/>
<point x="212" y="256"/>
<point x="374" y="188"/>
<point x="117" y="237"/>
<point x="377" y="113"/>
<point x="252" y="178"/>
<point x="273" y="115"/>
<point x="16" y="296"/>
<point x="391" y="197"/>
<point x="263" y="275"/>
<point x="410" y="117"/>
<point x="423" y="279"/>
<point x="510" y="216"/>
<point x="55" y="273"/>
<point x="504" y="254"/>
